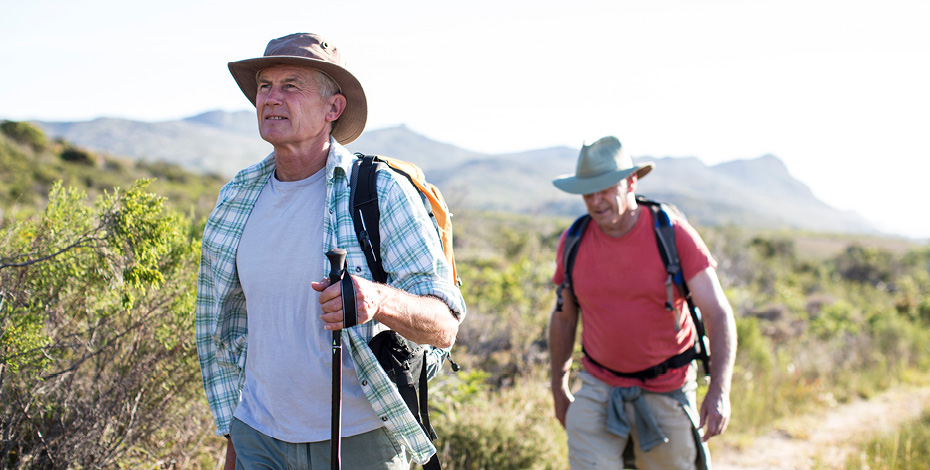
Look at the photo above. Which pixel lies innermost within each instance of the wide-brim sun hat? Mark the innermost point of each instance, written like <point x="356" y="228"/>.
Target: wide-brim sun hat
<point x="309" y="50"/>
<point x="601" y="165"/>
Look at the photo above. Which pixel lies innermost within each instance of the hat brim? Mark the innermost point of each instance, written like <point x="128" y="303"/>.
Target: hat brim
<point x="352" y="121"/>
<point x="574" y="185"/>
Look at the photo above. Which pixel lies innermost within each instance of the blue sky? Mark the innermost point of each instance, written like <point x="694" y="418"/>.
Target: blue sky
<point x="836" y="89"/>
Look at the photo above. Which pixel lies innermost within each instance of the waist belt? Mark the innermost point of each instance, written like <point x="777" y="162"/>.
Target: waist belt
<point x="675" y="362"/>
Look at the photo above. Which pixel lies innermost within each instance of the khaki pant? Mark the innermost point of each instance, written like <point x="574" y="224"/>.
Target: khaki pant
<point x="373" y="450"/>
<point x="591" y="446"/>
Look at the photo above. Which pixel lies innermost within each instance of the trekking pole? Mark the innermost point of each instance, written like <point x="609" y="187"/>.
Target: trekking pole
<point x="337" y="258"/>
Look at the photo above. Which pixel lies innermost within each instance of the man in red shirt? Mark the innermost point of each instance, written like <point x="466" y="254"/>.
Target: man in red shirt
<point x="619" y="282"/>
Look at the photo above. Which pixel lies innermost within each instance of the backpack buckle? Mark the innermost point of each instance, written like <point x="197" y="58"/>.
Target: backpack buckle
<point x="670" y="303"/>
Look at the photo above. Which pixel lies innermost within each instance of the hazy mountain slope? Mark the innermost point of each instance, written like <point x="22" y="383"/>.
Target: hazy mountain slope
<point x="401" y="142"/>
<point x="189" y="143"/>
<point x="754" y="193"/>
<point x="757" y="192"/>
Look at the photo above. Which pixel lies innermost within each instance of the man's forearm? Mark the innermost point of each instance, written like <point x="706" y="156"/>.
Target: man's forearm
<point x="561" y="345"/>
<point x="421" y="319"/>
<point x="721" y="331"/>
<point x="721" y="327"/>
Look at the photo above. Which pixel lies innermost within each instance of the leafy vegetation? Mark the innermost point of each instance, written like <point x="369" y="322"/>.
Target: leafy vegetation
<point x="96" y="302"/>
<point x="97" y="365"/>
<point x="482" y="426"/>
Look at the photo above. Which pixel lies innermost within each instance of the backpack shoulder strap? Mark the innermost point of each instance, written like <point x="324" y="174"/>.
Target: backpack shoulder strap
<point x="363" y="204"/>
<point x="569" y="252"/>
<point x="665" y="240"/>
<point x="668" y="249"/>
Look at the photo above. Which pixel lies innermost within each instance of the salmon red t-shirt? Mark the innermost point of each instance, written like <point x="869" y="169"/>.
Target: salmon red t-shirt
<point x="619" y="284"/>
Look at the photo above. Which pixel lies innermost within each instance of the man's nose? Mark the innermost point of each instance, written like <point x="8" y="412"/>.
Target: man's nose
<point x="274" y="94"/>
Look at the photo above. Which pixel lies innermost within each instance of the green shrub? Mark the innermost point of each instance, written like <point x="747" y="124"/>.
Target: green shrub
<point x="97" y="354"/>
<point x="838" y="318"/>
<point x="25" y="133"/>
<point x="508" y="300"/>
<point x="80" y="156"/>
<point x="512" y="428"/>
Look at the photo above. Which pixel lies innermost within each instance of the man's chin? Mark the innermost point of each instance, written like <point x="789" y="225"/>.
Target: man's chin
<point x="603" y="220"/>
<point x="272" y="137"/>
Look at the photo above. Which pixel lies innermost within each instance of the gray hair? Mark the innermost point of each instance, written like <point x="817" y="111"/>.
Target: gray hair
<point x="327" y="85"/>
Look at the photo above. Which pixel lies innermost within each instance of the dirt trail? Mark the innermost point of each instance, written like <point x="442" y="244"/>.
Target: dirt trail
<point x="825" y="438"/>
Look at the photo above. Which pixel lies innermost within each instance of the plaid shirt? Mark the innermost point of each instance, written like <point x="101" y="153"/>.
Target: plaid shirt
<point x="412" y="257"/>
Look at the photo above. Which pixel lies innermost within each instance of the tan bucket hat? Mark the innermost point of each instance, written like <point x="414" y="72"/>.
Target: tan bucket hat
<point x="309" y="50"/>
<point x="600" y="166"/>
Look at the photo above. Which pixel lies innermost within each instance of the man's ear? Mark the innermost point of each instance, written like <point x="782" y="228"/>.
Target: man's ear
<point x="337" y="104"/>
<point x="631" y="182"/>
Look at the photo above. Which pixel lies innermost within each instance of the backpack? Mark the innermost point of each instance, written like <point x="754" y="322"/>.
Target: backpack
<point x="665" y="239"/>
<point x="404" y="361"/>
<point x="363" y="201"/>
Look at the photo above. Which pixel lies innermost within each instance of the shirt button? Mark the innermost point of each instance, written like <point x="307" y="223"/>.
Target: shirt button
<point x="330" y="210"/>
<point x="384" y="418"/>
<point x="364" y="383"/>
<point x="358" y="269"/>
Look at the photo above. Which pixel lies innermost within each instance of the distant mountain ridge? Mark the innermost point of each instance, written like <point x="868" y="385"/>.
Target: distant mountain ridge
<point x="757" y="192"/>
<point x="217" y="142"/>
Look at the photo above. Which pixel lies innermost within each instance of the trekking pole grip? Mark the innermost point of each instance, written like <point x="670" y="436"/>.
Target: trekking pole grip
<point x="337" y="258"/>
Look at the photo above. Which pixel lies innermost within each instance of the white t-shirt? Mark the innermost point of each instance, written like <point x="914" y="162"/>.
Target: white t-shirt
<point x="288" y="370"/>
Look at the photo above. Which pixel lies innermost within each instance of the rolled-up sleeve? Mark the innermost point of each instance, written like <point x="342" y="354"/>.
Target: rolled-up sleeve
<point x="412" y="253"/>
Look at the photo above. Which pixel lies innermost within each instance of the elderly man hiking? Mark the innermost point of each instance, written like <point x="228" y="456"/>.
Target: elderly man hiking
<point x="639" y="340"/>
<point x="263" y="287"/>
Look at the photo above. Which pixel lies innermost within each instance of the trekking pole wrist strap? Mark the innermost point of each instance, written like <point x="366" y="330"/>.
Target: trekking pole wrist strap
<point x="349" y="312"/>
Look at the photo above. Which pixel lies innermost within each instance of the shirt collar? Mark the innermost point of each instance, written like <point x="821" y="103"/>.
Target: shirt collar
<point x="339" y="158"/>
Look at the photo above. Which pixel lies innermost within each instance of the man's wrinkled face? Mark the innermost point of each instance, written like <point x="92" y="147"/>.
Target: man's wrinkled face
<point x="290" y="108"/>
<point x="607" y="206"/>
